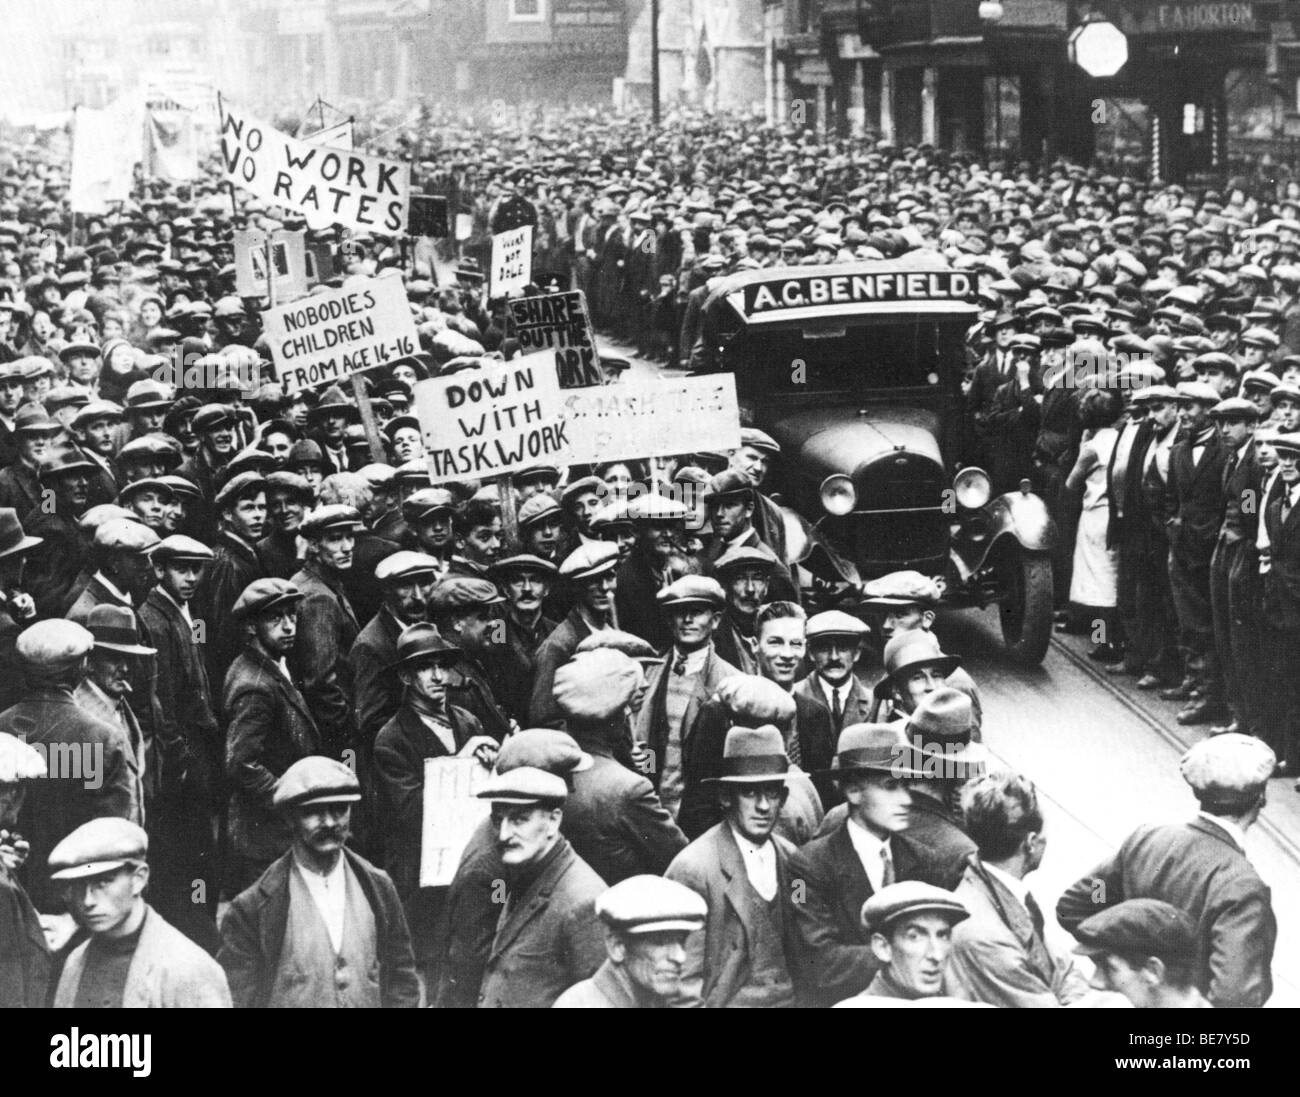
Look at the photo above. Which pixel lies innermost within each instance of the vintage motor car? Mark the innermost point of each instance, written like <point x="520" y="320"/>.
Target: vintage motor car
<point x="856" y="370"/>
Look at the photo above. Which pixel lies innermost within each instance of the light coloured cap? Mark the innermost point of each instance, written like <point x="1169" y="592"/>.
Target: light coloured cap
<point x="752" y="700"/>
<point x="595" y="685"/>
<point x="405" y="565"/>
<point x="1235" y="407"/>
<point x="537" y="508"/>
<point x="331" y="518"/>
<point x="525" y="785"/>
<point x="896" y="901"/>
<point x="834" y="622"/>
<point x="691" y="590"/>
<point x="903" y="588"/>
<point x="1197" y="392"/>
<point x="543" y="748"/>
<point x="1155" y="394"/>
<point x="757" y="439"/>
<point x="656" y="508"/>
<point x="180" y="547"/>
<point x="589" y="560"/>
<point x="652" y="904"/>
<point x="1228" y="770"/>
<point x="99" y="846"/>
<point x="316" y="780"/>
<point x="619" y="640"/>
<point x="54" y="644"/>
<point x="125" y="536"/>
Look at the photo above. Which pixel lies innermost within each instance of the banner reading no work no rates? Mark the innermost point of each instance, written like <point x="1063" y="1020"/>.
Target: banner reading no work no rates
<point x="329" y="337"/>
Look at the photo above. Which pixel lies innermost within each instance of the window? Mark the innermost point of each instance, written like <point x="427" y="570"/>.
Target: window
<point x="526" y="11"/>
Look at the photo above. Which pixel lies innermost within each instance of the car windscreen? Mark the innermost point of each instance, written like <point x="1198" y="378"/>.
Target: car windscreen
<point x="848" y="359"/>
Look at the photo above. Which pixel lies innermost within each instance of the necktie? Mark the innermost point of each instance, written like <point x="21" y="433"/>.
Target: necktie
<point x="1035" y="914"/>
<point x="793" y="750"/>
<point x="887" y="876"/>
<point x="837" y="708"/>
<point x="679" y="664"/>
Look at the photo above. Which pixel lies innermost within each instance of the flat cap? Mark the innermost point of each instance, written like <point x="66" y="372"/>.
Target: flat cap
<point x="1228" y="769"/>
<point x="537" y="508"/>
<point x="18" y="761"/>
<point x="651" y="904"/>
<point x="757" y="556"/>
<point x="1197" y="392"/>
<point x="1235" y="407"/>
<point x="150" y="447"/>
<point x="463" y="592"/>
<point x="1140" y="928"/>
<point x="903" y="588"/>
<point x="426" y="502"/>
<point x="101" y="845"/>
<point x="237" y="488"/>
<point x="543" y="748"/>
<point x="316" y="780"/>
<point x="1155" y="394"/>
<point x="618" y="640"/>
<point x="656" y="508"/>
<point x="595" y="685"/>
<point x="404" y="565"/>
<point x="263" y="595"/>
<point x="1285" y="443"/>
<point x="522" y="561"/>
<point x="1259" y="380"/>
<point x="525" y="785"/>
<point x="896" y="901"/>
<point x="330" y="518"/>
<point x="728" y="484"/>
<point x="585" y="485"/>
<point x="53" y="644"/>
<point x="752" y="700"/>
<point x="1260" y="337"/>
<point x="96" y="409"/>
<point x="123" y="535"/>
<point x="613" y="513"/>
<point x="291" y="482"/>
<point x="757" y="439"/>
<point x="690" y="589"/>
<point x="589" y="560"/>
<point x="180" y="547"/>
<point x="834" y="622"/>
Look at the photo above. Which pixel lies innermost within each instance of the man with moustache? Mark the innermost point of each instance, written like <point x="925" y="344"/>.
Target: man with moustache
<point x="407" y="580"/>
<point x="748" y="953"/>
<point x="746" y="576"/>
<point x="647" y="922"/>
<point x="526" y="582"/>
<point x="679" y="686"/>
<point x="835" y="642"/>
<point x="95" y="428"/>
<point x="660" y="529"/>
<point x="754" y="458"/>
<point x="322" y="927"/>
<point x="547" y="937"/>
<point x="268" y="725"/>
<point x="327" y="625"/>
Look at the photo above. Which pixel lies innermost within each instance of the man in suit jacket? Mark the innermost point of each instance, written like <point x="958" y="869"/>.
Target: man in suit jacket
<point x="996" y="370"/>
<point x="1193" y="517"/>
<point x="283" y="945"/>
<point x="809" y="740"/>
<point x="102" y="865"/>
<point x="835" y="642"/>
<point x="328" y="625"/>
<point x="268" y="726"/>
<point x="660" y="531"/>
<point x="1201" y="867"/>
<point x="1280" y="611"/>
<point x="869" y="849"/>
<point x="613" y="817"/>
<point x="679" y="686"/>
<point x="95" y="777"/>
<point x="548" y="937"/>
<point x="1123" y="487"/>
<point x="745" y="575"/>
<point x="747" y="955"/>
<point x="730" y="499"/>
<point x="425" y="726"/>
<point x="1000" y="955"/>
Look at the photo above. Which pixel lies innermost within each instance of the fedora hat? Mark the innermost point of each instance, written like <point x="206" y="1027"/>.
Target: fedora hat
<point x="875" y="748"/>
<point x="913" y="650"/>
<point x="752" y="756"/>
<point x="114" y="628"/>
<point x="12" y="538"/>
<point x="420" y="642"/>
<point x="941" y="727"/>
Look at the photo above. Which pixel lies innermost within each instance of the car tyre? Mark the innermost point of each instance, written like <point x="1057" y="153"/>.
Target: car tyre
<point x="1027" y="612"/>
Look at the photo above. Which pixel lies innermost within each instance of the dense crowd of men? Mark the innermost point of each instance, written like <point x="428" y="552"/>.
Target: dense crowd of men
<point x="232" y="636"/>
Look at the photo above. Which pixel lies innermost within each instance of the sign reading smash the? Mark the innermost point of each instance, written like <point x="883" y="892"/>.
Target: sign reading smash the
<point x="651" y="418"/>
<point x="489" y="422"/>
<point x="365" y="193"/>
<point x="885" y="287"/>
<point x="333" y="335"/>
<point x="559" y="322"/>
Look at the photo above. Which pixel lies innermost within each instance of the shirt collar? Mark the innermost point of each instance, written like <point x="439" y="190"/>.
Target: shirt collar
<point x="1227" y="826"/>
<point x="1018" y="888"/>
<point x="748" y="847"/>
<point x="312" y="876"/>
<point x="866" y="843"/>
<point x="112" y="587"/>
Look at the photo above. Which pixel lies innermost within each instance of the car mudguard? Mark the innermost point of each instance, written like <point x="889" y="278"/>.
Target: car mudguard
<point x="1022" y="515"/>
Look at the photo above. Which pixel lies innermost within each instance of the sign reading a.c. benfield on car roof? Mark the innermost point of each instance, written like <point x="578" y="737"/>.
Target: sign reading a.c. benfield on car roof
<point x="884" y="287"/>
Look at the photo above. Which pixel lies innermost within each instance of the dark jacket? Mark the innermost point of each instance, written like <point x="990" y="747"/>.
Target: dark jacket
<point x="1281" y="605"/>
<point x="252" y="936"/>
<point x="1200" y="869"/>
<point x="836" y="946"/>
<point x="1194" y="501"/>
<point x="556" y="650"/>
<point x="327" y="628"/>
<point x="235" y="564"/>
<point x="279" y="555"/>
<point x="634" y="599"/>
<point x="376" y="689"/>
<point x="51" y="572"/>
<point x="269" y="727"/>
<point x="19" y="488"/>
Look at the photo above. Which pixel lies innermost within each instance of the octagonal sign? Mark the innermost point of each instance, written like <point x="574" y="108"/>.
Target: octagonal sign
<point x="1100" y="49"/>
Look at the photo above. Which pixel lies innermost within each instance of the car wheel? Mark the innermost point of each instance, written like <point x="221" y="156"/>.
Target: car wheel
<point x="1027" y="609"/>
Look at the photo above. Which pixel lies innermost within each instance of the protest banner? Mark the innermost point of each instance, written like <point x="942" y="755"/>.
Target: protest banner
<point x="512" y="261"/>
<point x="332" y="336"/>
<point x="337" y="136"/>
<point x="560" y="322"/>
<point x="451" y="815"/>
<point x="651" y="418"/>
<point x="287" y="258"/>
<point x="334" y="186"/>
<point x="489" y="422"/>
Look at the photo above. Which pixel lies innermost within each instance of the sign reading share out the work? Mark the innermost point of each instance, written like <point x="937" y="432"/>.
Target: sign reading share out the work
<point x="489" y="422"/>
<point x="329" y="337"/>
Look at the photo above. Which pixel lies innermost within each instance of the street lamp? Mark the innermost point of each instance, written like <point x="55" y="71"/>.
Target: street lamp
<point x="1099" y="48"/>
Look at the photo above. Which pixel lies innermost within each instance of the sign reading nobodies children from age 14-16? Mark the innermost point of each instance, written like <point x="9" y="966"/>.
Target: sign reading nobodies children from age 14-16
<point x="365" y="193"/>
<point x="329" y="337"/>
<point x="651" y="418"/>
<point x="559" y="322"/>
<point x="488" y="422"/>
